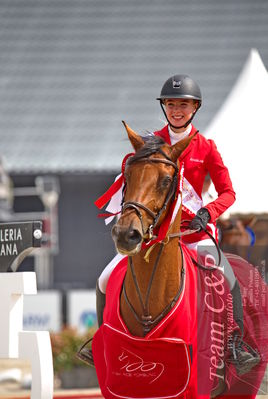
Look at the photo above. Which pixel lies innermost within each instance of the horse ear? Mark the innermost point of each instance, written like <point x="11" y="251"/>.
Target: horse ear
<point x="249" y="221"/>
<point x="136" y="140"/>
<point x="178" y="148"/>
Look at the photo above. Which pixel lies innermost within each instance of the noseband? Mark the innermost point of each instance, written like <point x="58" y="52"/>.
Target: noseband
<point x="170" y="196"/>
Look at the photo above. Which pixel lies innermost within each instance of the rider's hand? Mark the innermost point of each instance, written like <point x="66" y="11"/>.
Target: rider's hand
<point x="200" y="220"/>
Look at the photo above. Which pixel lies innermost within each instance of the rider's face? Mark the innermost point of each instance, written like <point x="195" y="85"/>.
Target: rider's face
<point x="179" y="111"/>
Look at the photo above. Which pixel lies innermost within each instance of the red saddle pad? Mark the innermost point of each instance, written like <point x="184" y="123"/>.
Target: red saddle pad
<point x="143" y="368"/>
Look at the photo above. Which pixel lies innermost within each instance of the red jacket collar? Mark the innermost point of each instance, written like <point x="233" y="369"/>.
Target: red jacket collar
<point x="165" y="136"/>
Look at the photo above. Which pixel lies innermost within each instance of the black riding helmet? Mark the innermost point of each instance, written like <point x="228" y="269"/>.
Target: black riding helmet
<point x="180" y="86"/>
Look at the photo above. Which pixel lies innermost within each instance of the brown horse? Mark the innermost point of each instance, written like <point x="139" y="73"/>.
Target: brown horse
<point x="129" y="353"/>
<point x="237" y="232"/>
<point x="154" y="175"/>
<point x="237" y="235"/>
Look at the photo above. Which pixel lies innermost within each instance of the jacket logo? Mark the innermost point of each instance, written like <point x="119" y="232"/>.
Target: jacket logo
<point x="197" y="160"/>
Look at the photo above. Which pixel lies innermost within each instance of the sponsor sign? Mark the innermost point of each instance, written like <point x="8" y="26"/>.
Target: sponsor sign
<point x="43" y="311"/>
<point x="81" y="309"/>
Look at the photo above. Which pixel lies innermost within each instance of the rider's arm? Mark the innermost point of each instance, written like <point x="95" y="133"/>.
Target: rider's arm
<point x="221" y="179"/>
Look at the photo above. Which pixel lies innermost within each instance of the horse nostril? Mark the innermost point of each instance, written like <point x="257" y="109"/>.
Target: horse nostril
<point x="134" y="236"/>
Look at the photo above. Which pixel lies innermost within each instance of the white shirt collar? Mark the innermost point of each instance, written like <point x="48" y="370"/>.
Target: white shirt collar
<point x="175" y="137"/>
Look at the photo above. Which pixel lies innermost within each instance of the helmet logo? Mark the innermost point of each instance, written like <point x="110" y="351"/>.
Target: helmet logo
<point x="176" y="84"/>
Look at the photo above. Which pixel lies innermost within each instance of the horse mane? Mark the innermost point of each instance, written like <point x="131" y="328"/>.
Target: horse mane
<point x="151" y="146"/>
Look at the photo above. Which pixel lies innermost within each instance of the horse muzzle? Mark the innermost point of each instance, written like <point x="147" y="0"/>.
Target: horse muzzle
<point x="127" y="240"/>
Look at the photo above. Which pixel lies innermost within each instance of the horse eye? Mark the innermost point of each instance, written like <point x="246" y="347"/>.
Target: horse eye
<point x="165" y="182"/>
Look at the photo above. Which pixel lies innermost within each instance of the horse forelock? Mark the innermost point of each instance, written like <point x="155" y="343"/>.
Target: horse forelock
<point x="152" y="145"/>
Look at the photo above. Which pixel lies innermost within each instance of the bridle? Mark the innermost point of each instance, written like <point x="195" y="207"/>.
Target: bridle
<point x="137" y="206"/>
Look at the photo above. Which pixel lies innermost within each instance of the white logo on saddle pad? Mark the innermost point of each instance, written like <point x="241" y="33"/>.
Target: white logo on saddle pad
<point x="144" y="368"/>
<point x="133" y="363"/>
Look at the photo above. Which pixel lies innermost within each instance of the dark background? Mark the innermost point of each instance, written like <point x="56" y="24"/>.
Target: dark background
<point x="85" y="243"/>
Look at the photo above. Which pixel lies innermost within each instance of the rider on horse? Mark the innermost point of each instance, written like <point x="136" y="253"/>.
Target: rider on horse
<point x="180" y="99"/>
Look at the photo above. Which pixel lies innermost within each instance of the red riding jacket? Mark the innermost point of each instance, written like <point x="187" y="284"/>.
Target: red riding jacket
<point x="199" y="158"/>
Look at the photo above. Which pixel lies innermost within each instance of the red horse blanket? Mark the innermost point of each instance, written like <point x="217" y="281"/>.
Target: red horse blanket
<point x="182" y="355"/>
<point x="131" y="367"/>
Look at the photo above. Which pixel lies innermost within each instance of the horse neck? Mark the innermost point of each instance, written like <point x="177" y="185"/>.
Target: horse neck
<point x="165" y="284"/>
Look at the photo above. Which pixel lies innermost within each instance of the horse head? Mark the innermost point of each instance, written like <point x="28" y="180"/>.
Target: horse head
<point x="237" y="231"/>
<point x="150" y="186"/>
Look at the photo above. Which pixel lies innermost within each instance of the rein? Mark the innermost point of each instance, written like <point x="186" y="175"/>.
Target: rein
<point x="212" y="239"/>
<point x="188" y="232"/>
